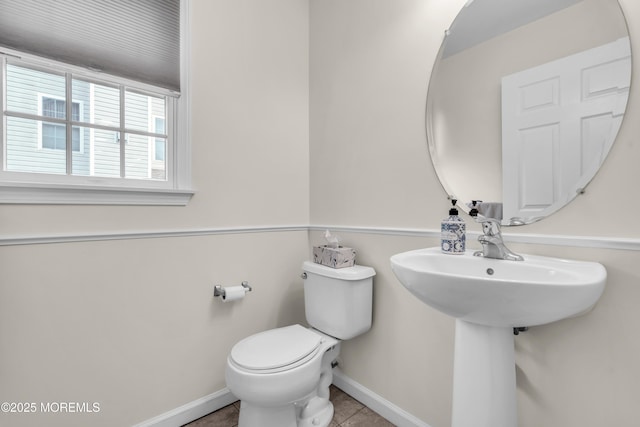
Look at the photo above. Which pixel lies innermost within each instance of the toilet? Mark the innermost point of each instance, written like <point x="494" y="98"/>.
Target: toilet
<point x="282" y="376"/>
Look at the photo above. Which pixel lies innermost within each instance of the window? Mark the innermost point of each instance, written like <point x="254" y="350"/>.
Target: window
<point x="54" y="135"/>
<point x="68" y="129"/>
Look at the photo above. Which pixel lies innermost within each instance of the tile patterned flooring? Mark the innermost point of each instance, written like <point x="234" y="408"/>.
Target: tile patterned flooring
<point x="348" y="412"/>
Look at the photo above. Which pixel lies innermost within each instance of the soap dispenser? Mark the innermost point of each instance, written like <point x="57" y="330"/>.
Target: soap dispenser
<point x="452" y="232"/>
<point x="474" y="209"/>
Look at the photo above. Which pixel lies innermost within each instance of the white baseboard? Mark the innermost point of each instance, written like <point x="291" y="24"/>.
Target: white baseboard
<point x="207" y="404"/>
<point x="192" y="410"/>
<point x="375" y="402"/>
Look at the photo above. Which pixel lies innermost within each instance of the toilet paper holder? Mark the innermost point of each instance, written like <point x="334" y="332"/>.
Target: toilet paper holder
<point x="219" y="291"/>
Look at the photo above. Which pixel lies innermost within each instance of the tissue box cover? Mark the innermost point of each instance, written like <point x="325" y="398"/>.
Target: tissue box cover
<point x="339" y="257"/>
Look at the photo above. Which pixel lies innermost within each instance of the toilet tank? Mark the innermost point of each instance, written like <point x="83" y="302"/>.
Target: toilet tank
<point x="338" y="302"/>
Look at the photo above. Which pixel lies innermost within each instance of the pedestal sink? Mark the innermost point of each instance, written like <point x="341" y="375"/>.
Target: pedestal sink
<point x="489" y="297"/>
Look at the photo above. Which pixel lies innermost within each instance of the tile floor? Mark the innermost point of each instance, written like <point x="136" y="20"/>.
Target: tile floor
<point x="348" y="412"/>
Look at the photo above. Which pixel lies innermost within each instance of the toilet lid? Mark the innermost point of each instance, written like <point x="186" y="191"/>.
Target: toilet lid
<point x="275" y="348"/>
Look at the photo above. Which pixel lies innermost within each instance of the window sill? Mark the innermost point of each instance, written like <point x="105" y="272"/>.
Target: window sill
<point x="44" y="194"/>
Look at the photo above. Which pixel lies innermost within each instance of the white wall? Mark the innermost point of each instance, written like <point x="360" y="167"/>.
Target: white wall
<point x="131" y="324"/>
<point x="370" y="62"/>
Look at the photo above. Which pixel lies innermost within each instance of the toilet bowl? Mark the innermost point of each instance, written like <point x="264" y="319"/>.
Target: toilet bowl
<point x="282" y="376"/>
<point x="279" y="373"/>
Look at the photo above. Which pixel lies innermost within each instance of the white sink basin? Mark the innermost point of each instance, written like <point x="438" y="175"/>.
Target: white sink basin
<point x="489" y="297"/>
<point x="495" y="292"/>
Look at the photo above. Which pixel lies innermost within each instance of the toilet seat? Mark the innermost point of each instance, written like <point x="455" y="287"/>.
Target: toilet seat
<point x="276" y="350"/>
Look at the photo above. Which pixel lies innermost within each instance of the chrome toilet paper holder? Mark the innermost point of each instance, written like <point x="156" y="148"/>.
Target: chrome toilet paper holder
<point x="220" y="291"/>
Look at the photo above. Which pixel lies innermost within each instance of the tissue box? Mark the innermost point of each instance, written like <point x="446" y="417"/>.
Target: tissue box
<point x="339" y="257"/>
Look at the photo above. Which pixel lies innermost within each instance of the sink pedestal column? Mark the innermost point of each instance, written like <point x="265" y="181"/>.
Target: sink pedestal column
<point x="484" y="376"/>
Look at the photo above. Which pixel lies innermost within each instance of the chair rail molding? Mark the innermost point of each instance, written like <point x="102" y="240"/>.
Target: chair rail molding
<point x="596" y="242"/>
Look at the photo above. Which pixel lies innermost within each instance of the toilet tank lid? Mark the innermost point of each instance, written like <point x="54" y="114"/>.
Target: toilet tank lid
<point x="357" y="272"/>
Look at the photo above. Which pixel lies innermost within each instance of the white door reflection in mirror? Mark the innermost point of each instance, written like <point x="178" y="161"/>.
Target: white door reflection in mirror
<point x="559" y="121"/>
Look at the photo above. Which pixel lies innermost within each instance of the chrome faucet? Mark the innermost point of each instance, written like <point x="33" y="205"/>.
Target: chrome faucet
<point x="492" y="244"/>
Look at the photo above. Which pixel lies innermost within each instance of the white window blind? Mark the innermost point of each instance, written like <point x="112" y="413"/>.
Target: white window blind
<point x="135" y="39"/>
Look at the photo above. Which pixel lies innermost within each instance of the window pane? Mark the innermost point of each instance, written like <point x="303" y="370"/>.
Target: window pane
<point x="53" y="107"/>
<point x="141" y="109"/>
<point x="160" y="148"/>
<point x="81" y="157"/>
<point x="159" y="125"/>
<point x="158" y="165"/>
<point x="160" y="143"/>
<point x="103" y="155"/>
<point x="54" y="136"/>
<point x="25" y="152"/>
<point x="137" y="157"/>
<point x="76" y="142"/>
<point x="24" y="89"/>
<point x="105" y="109"/>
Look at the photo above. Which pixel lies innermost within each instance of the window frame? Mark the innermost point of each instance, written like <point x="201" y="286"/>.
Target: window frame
<point x="40" y="188"/>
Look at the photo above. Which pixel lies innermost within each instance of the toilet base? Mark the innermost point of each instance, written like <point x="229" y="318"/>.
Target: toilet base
<point x="322" y="414"/>
<point x="283" y="416"/>
<point x="278" y="416"/>
<point x="318" y="410"/>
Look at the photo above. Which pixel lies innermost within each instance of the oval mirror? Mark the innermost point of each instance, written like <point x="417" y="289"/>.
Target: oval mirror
<point x="525" y="100"/>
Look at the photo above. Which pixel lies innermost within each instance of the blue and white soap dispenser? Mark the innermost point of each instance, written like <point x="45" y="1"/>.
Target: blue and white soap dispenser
<point x="453" y="232"/>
